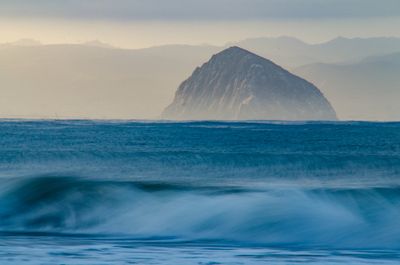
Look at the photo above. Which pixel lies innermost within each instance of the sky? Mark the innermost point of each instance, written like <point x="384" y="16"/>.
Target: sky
<point x="128" y="10"/>
<point x="143" y="23"/>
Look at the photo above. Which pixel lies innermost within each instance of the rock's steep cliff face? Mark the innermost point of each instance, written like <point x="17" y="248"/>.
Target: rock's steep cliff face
<point x="239" y="85"/>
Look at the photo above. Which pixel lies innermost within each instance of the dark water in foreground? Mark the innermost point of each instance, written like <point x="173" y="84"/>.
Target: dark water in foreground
<point x="91" y="192"/>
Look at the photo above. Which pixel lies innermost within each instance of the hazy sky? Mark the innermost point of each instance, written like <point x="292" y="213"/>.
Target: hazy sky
<point x="199" y="9"/>
<point x="141" y="23"/>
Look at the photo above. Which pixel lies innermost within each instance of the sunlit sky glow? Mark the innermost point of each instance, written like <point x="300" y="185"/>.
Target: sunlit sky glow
<point x="137" y="23"/>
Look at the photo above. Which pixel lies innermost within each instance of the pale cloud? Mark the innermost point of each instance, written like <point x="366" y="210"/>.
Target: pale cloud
<point x="199" y="10"/>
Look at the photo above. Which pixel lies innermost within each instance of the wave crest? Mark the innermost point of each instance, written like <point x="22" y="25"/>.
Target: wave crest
<point x="292" y="216"/>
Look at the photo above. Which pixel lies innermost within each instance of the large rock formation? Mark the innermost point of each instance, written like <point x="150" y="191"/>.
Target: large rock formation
<point x="239" y="85"/>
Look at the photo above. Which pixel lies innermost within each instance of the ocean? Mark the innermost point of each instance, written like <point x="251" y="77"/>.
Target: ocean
<point x="143" y="192"/>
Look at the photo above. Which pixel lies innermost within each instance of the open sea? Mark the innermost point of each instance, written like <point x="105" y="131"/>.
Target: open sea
<point x="134" y="192"/>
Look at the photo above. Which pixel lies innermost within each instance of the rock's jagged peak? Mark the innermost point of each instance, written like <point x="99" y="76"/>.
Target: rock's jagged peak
<point x="236" y="51"/>
<point x="236" y="55"/>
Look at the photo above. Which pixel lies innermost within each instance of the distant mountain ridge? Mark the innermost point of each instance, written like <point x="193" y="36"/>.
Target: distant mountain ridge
<point x="236" y="84"/>
<point x="287" y="51"/>
<point x="366" y="90"/>
<point x="292" y="52"/>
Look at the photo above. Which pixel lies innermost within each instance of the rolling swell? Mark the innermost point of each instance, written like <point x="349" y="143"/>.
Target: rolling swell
<point x="323" y="217"/>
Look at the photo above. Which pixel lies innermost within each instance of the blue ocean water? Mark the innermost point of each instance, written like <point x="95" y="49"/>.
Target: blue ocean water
<point x="131" y="192"/>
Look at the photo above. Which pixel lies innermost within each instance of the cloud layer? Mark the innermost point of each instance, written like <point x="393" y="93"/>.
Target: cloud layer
<point x="198" y="9"/>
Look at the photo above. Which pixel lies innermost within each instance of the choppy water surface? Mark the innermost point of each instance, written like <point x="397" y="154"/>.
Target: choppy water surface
<point x="91" y="192"/>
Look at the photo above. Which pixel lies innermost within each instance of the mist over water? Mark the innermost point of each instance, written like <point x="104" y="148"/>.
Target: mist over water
<point x="244" y="192"/>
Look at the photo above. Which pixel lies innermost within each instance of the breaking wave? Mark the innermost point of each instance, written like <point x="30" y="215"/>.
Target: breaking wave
<point x="322" y="217"/>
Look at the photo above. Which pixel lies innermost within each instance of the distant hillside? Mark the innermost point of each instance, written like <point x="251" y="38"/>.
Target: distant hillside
<point x="95" y="82"/>
<point x="98" y="81"/>
<point x="368" y="90"/>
